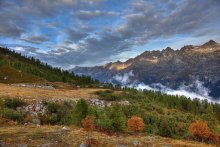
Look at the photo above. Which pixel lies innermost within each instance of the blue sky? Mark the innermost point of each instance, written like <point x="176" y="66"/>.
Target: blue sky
<point x="67" y="33"/>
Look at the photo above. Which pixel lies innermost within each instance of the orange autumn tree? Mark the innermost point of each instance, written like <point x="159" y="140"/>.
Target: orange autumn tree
<point x="135" y="124"/>
<point x="200" y="130"/>
<point x="88" y="125"/>
<point x="214" y="138"/>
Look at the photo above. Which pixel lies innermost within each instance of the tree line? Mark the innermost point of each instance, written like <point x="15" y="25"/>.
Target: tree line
<point x="43" y="70"/>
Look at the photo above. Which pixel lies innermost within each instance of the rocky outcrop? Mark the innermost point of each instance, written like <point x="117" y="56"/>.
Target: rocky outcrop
<point x="35" y="109"/>
<point x="32" y="111"/>
<point x="34" y="85"/>
<point x="103" y="103"/>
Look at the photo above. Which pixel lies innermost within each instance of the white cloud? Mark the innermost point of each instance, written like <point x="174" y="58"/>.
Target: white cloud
<point x="199" y="91"/>
<point x="19" y="48"/>
<point x="125" y="78"/>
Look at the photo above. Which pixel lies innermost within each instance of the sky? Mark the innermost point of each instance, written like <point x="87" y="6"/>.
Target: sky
<point x="69" y="33"/>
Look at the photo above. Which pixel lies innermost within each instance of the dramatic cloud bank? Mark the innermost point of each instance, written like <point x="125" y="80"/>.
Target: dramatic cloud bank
<point x="194" y="90"/>
<point x="66" y="33"/>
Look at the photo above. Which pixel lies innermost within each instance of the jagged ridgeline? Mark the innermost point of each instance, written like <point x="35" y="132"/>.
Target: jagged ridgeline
<point x="193" y="66"/>
<point x="16" y="68"/>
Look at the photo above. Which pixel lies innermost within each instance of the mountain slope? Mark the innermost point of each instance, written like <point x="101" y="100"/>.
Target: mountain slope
<point x="11" y="75"/>
<point x="15" y="68"/>
<point x="195" y="68"/>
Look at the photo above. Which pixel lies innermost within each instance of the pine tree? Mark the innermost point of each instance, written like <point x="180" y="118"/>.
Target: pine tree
<point x="103" y="121"/>
<point x="81" y="110"/>
<point x="118" y="118"/>
<point x="165" y="128"/>
<point x="210" y="117"/>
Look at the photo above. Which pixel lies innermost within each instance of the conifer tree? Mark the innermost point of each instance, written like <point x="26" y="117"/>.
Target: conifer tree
<point x="81" y="110"/>
<point x="210" y="117"/>
<point x="118" y="118"/>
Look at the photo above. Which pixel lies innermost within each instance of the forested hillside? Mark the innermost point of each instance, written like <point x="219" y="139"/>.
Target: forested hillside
<point x="16" y="68"/>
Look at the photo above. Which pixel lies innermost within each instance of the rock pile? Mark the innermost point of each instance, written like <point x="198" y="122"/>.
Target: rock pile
<point x="32" y="111"/>
<point x="97" y="102"/>
<point x="34" y="85"/>
<point x="103" y="103"/>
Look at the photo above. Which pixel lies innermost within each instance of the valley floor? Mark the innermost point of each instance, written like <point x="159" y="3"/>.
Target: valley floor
<point x="33" y="135"/>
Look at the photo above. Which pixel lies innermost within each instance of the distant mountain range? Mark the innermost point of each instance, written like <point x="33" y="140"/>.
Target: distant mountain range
<point x="194" y="70"/>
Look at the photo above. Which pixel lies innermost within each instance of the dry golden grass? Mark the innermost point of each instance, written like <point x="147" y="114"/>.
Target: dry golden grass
<point x="31" y="93"/>
<point x="33" y="135"/>
<point x="15" y="76"/>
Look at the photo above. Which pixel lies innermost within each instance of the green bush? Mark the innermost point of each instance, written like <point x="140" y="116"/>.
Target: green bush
<point x="167" y="127"/>
<point x="109" y="95"/>
<point x="13" y="115"/>
<point x="101" y="92"/>
<point x="92" y="111"/>
<point x="52" y="118"/>
<point x="13" y="103"/>
<point x="53" y="107"/>
<point x="2" y="107"/>
<point x="59" y="113"/>
<point x="131" y="110"/>
<point x="103" y="121"/>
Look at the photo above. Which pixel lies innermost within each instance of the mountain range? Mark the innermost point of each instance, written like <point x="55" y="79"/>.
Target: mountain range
<point x="193" y="71"/>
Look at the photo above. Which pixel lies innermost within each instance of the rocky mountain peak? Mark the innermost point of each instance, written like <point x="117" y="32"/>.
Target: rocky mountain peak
<point x="210" y="43"/>
<point x="168" y="49"/>
<point x="186" y="47"/>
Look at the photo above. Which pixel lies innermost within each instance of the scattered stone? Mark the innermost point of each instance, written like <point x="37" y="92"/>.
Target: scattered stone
<point x="135" y="143"/>
<point x="121" y="145"/>
<point x="150" y="138"/>
<point x="65" y="129"/>
<point x="22" y="145"/>
<point x="126" y="103"/>
<point x="82" y="145"/>
<point x="96" y="102"/>
<point x="108" y="104"/>
<point x="46" y="145"/>
<point x="103" y="103"/>
<point x="44" y="86"/>
<point x="36" y="121"/>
